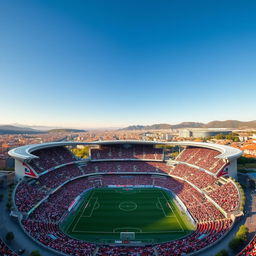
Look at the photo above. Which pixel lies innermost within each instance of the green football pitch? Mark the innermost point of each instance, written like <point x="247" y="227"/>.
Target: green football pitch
<point x="105" y="212"/>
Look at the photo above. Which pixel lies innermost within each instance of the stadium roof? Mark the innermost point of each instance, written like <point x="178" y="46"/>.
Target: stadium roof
<point x="26" y="152"/>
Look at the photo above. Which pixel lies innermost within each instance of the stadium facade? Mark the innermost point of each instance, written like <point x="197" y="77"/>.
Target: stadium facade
<point x="202" y="133"/>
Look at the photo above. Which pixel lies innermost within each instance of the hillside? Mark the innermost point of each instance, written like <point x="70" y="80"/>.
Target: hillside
<point x="148" y="127"/>
<point x="187" y="125"/>
<point x="164" y="126"/>
<point x="233" y="124"/>
<point x="65" y="130"/>
<point x="10" y="129"/>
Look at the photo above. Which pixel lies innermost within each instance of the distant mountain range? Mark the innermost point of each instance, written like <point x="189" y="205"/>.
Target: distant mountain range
<point x="65" y="130"/>
<point x="232" y="124"/>
<point x="36" y="127"/>
<point x="11" y="129"/>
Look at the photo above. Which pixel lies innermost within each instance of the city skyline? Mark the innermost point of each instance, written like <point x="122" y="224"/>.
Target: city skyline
<point x="113" y="64"/>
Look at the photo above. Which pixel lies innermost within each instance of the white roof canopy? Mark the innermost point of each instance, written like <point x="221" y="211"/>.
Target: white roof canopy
<point x="26" y="152"/>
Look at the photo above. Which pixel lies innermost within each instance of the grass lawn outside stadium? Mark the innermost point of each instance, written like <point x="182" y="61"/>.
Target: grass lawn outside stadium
<point x="105" y="212"/>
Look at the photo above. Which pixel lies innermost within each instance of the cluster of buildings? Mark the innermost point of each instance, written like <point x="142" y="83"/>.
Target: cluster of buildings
<point x="156" y="135"/>
<point x="246" y="140"/>
<point x="9" y="141"/>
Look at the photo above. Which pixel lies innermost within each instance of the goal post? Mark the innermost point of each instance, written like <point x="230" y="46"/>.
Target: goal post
<point x="127" y="235"/>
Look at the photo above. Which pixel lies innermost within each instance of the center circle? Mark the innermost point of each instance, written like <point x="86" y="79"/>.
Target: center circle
<point x="127" y="206"/>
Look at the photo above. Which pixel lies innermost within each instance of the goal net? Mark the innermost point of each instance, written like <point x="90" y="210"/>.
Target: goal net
<point x="127" y="235"/>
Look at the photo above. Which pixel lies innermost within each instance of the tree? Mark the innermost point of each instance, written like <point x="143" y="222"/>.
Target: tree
<point x="245" y="160"/>
<point x="174" y="155"/>
<point x="222" y="253"/>
<point x="235" y="243"/>
<point x="35" y="253"/>
<point x="241" y="236"/>
<point x="9" y="236"/>
<point x="220" y="136"/>
<point x="252" y="184"/>
<point x="82" y="152"/>
<point x="236" y="139"/>
<point x="9" y="205"/>
<point x="242" y="233"/>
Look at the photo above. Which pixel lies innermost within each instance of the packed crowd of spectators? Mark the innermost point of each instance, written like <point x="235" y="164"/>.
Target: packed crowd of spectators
<point x="126" y="180"/>
<point x="196" y="202"/>
<point x="126" y="166"/>
<point x="250" y="249"/>
<point x="51" y="157"/>
<point x="49" y="235"/>
<point x="42" y="224"/>
<point x="123" y="151"/>
<point x="55" y="178"/>
<point x="202" y="157"/>
<point x="125" y="251"/>
<point x="226" y="195"/>
<point x="199" y="178"/>
<point x="28" y="194"/>
<point x="5" y="251"/>
<point x="205" y="235"/>
<point x="57" y="204"/>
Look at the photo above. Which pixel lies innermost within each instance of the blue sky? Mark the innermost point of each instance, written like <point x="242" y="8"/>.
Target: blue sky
<point x="115" y="63"/>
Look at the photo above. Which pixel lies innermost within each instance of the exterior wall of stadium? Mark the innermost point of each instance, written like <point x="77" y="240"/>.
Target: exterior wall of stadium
<point x="202" y="133"/>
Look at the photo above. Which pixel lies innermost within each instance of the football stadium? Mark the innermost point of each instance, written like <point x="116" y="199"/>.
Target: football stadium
<point x="127" y="197"/>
